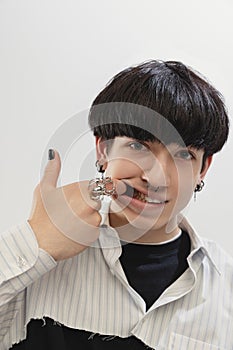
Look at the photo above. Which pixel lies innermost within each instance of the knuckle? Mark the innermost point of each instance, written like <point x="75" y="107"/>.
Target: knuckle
<point x="98" y="219"/>
<point x="95" y="219"/>
<point x="37" y="191"/>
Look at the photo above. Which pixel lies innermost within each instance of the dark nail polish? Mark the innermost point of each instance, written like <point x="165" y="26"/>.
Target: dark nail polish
<point x="51" y="154"/>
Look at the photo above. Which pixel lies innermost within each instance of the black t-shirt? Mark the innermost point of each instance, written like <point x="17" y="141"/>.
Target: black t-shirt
<point x="150" y="269"/>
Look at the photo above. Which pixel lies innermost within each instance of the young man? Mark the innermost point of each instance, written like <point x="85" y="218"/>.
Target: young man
<point x="128" y="270"/>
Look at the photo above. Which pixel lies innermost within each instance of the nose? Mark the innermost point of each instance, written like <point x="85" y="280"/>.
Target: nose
<point x="156" y="173"/>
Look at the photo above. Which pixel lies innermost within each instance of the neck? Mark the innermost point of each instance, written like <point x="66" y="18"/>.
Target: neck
<point x="132" y="233"/>
<point x="156" y="236"/>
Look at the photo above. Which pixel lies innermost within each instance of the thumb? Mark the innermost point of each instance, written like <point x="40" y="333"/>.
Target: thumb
<point x="52" y="169"/>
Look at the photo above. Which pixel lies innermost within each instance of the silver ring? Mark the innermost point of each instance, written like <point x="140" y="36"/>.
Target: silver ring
<point x="100" y="187"/>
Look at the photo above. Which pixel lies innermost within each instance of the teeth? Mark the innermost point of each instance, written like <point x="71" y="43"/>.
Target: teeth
<point x="152" y="200"/>
<point x="142" y="197"/>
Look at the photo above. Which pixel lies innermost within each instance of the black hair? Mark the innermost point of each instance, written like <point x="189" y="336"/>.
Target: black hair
<point x="180" y="96"/>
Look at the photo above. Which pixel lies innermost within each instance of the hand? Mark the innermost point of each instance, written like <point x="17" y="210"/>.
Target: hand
<point x="65" y="220"/>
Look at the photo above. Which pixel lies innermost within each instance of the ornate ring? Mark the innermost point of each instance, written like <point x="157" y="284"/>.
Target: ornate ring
<point x="100" y="187"/>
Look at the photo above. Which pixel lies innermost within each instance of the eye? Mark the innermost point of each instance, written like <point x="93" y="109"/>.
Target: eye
<point x="185" y="154"/>
<point x="138" y="146"/>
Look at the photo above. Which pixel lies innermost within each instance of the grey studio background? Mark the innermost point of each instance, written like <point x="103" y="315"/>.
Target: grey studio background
<point x="55" y="56"/>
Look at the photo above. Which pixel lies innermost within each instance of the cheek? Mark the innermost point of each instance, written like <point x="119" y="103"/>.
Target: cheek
<point x="120" y="168"/>
<point x="187" y="176"/>
<point x="184" y="190"/>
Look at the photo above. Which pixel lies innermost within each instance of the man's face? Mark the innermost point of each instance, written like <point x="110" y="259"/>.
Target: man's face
<point x="158" y="181"/>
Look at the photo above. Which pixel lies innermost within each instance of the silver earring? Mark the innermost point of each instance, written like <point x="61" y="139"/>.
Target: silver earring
<point x="99" y="168"/>
<point x="198" y="188"/>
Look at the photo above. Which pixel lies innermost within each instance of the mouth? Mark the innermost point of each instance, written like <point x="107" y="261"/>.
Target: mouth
<point x="136" y="194"/>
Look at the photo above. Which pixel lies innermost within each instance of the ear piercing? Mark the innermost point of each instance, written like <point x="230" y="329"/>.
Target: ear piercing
<point x="198" y="188"/>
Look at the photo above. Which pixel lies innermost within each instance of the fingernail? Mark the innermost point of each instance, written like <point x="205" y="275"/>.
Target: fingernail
<point x="51" y="154"/>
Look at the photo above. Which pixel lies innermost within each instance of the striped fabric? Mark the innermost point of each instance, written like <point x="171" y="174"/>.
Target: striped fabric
<point x="90" y="292"/>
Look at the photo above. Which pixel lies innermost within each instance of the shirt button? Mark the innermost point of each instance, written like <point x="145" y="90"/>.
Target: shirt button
<point x="21" y="262"/>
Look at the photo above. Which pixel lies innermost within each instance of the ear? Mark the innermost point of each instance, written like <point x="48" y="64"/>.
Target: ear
<point x="205" y="167"/>
<point x="101" y="151"/>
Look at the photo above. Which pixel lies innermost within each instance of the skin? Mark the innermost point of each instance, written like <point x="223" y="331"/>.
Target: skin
<point x="173" y="170"/>
<point x="58" y="214"/>
<point x="66" y="221"/>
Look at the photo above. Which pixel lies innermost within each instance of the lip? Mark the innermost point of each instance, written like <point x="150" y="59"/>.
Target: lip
<point x="150" y="194"/>
<point x="141" y="207"/>
<point x="127" y="200"/>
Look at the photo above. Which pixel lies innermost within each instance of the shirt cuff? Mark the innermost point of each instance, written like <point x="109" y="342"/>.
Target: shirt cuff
<point x="20" y="253"/>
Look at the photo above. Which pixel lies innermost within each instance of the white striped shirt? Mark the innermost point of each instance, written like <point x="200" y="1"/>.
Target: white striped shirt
<point x="90" y="292"/>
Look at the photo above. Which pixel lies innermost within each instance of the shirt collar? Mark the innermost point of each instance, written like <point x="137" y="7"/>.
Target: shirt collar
<point x="199" y="246"/>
